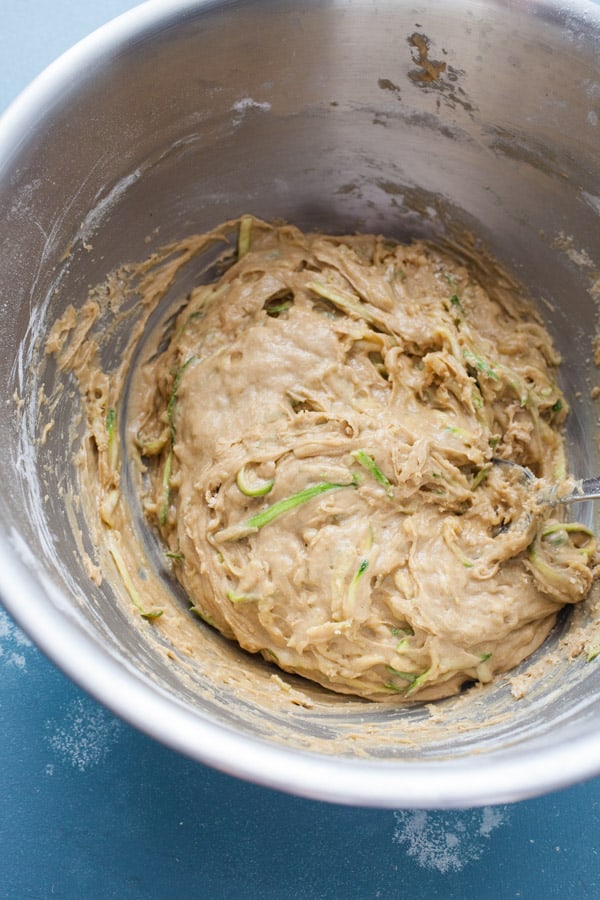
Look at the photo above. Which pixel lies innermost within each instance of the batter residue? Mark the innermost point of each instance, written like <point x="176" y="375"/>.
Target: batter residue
<point x="318" y="433"/>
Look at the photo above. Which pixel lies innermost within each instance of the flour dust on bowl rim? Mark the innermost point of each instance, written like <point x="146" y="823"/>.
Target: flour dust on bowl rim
<point x="476" y="117"/>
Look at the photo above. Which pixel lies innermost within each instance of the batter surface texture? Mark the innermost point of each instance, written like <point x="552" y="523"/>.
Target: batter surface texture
<point x="318" y="434"/>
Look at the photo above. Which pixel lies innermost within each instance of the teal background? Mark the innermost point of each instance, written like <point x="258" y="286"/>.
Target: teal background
<point x="90" y="808"/>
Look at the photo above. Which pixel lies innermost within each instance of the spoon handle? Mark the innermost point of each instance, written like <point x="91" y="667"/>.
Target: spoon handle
<point x="586" y="489"/>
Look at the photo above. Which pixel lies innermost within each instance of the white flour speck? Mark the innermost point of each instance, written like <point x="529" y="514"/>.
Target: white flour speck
<point x="249" y="103"/>
<point x="592" y="200"/>
<point x="85" y="736"/>
<point x="491" y="818"/>
<point x="12" y="643"/>
<point x="242" y="106"/>
<point x="447" y="841"/>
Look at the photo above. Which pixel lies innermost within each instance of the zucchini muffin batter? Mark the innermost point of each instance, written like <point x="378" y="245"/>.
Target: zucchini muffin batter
<point x="319" y="436"/>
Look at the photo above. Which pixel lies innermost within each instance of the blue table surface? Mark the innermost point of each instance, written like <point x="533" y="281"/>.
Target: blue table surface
<point x="90" y="808"/>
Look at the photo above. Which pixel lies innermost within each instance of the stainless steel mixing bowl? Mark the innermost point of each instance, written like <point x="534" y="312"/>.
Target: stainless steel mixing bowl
<point x="411" y="119"/>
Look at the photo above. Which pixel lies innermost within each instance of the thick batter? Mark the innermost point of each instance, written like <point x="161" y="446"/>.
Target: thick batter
<point x="319" y="436"/>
